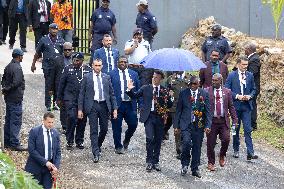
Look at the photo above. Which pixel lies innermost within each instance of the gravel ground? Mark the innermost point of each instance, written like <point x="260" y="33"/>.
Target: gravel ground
<point x="128" y="170"/>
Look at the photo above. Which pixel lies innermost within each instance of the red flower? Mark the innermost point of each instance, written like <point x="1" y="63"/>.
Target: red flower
<point x="191" y="98"/>
<point x="201" y="99"/>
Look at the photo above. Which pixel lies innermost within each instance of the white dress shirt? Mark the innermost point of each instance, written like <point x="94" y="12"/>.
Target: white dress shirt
<point x="122" y="82"/>
<point x="195" y="98"/>
<point x="96" y="86"/>
<point x="153" y="103"/>
<point x="111" y="61"/>
<point x="42" y="8"/>
<point x="251" y="54"/>
<point x="44" y="130"/>
<point x="221" y="100"/>
<point x="242" y="81"/>
<point x="140" y="52"/>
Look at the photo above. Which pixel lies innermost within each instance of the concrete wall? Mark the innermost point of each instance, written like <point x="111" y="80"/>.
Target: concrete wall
<point x="176" y="16"/>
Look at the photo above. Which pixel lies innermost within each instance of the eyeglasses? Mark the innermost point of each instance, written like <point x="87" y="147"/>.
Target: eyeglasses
<point x="67" y="49"/>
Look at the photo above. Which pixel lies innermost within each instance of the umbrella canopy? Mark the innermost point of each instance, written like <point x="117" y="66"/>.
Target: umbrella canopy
<point x="173" y="59"/>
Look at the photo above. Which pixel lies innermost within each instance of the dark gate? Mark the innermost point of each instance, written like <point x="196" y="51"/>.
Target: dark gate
<point x="82" y="12"/>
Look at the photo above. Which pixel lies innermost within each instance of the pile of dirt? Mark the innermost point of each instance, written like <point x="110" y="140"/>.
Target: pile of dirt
<point x="272" y="62"/>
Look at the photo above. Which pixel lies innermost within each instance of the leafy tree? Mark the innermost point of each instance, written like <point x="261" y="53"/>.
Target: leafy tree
<point x="276" y="7"/>
<point x="11" y="178"/>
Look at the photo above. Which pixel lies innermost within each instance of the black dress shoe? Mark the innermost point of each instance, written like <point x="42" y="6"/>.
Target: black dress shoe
<point x="80" y="146"/>
<point x="24" y="49"/>
<point x="250" y="157"/>
<point x="157" y="167"/>
<point x="183" y="170"/>
<point x="125" y="145"/>
<point x="196" y="174"/>
<point x="119" y="151"/>
<point x="236" y="154"/>
<point x="96" y="159"/>
<point x="19" y="148"/>
<point x="69" y="146"/>
<point x="149" y="167"/>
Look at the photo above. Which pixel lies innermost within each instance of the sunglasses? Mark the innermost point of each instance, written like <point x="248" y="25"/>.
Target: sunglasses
<point x="67" y="49"/>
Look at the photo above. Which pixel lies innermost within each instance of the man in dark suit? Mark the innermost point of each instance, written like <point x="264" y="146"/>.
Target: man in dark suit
<point x="127" y="107"/>
<point x="97" y="101"/>
<point x="241" y="83"/>
<point x="156" y="101"/>
<point x="44" y="152"/>
<point x="39" y="18"/>
<point x="221" y="104"/>
<point x="107" y="54"/>
<point x="192" y="118"/>
<point x="213" y="66"/>
<point x="254" y="67"/>
<point x="18" y="14"/>
<point x="4" y="21"/>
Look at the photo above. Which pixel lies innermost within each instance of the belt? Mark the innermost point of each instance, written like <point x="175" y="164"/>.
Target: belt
<point x="99" y="101"/>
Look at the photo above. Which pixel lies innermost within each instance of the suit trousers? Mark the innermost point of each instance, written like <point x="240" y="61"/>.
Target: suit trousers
<point x="126" y="112"/>
<point x="47" y="73"/>
<point x="192" y="138"/>
<point x="44" y="178"/>
<point x="99" y="113"/>
<point x="244" y="116"/>
<point x="154" y="129"/>
<point x="13" y="123"/>
<point x="73" y="123"/>
<point x="4" y="24"/>
<point x="218" y="128"/>
<point x="254" y="113"/>
<point x="63" y="117"/>
<point x="41" y="31"/>
<point x="13" y="27"/>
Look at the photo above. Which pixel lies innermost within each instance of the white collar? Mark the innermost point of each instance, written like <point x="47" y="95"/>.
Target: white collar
<point x="251" y="54"/>
<point x="196" y="91"/>
<point x="44" y="128"/>
<point x="239" y="71"/>
<point x="95" y="74"/>
<point x="120" y="71"/>
<point x="156" y="86"/>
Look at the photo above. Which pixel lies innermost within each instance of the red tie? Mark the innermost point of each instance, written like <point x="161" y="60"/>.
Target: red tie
<point x="218" y="103"/>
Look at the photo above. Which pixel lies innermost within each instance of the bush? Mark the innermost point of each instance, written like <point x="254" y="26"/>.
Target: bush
<point x="14" y="179"/>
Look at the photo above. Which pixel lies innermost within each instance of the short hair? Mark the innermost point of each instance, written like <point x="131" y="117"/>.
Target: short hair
<point x="193" y="78"/>
<point x="241" y="58"/>
<point x="218" y="75"/>
<point x="106" y="35"/>
<point x="215" y="50"/>
<point x="123" y="56"/>
<point x="68" y="44"/>
<point x="98" y="60"/>
<point x="48" y="114"/>
<point x="250" y="45"/>
<point x="159" y="72"/>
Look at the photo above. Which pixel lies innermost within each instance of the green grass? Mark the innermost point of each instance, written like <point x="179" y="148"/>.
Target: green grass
<point x="269" y="132"/>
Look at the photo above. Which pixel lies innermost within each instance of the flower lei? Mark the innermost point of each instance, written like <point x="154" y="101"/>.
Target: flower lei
<point x="198" y="111"/>
<point x="161" y="104"/>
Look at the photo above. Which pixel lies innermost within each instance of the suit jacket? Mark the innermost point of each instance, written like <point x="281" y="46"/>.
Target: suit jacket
<point x="116" y="84"/>
<point x="87" y="93"/>
<point x="184" y="109"/>
<point x="34" y="15"/>
<point x="254" y="67"/>
<point x="101" y="54"/>
<point x="36" y="160"/>
<point x="13" y="7"/>
<point x="233" y="83"/>
<point x="205" y="74"/>
<point x="228" y="105"/>
<point x="146" y="92"/>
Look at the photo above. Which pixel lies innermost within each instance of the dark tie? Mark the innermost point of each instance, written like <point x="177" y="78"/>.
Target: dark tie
<point x="193" y="95"/>
<point x="243" y="78"/>
<point x="215" y="68"/>
<point x="43" y="9"/>
<point x="156" y="92"/>
<point x="192" y="114"/>
<point x="126" y="97"/>
<point x="108" y="60"/>
<point x="100" y="87"/>
<point x="48" y="145"/>
<point x="218" y="103"/>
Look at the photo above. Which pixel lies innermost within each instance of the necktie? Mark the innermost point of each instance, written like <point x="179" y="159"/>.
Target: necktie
<point x="218" y="103"/>
<point x="109" y="67"/>
<point x="100" y="87"/>
<point x="126" y="97"/>
<point x="192" y="113"/>
<point x="193" y="95"/>
<point x="44" y="10"/>
<point x="243" y="82"/>
<point x="48" y="145"/>
<point x="156" y="92"/>
<point x="215" y="68"/>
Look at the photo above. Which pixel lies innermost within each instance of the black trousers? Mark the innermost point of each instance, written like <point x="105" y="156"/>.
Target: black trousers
<point x="40" y="31"/>
<point x="99" y="114"/>
<point x="254" y="113"/>
<point x="4" y="23"/>
<point x="19" y="19"/>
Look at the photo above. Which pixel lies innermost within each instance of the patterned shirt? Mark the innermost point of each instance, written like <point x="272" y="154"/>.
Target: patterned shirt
<point x="59" y="11"/>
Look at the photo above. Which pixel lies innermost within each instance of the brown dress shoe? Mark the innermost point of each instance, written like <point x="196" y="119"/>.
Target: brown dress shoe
<point x="211" y="167"/>
<point x="222" y="161"/>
